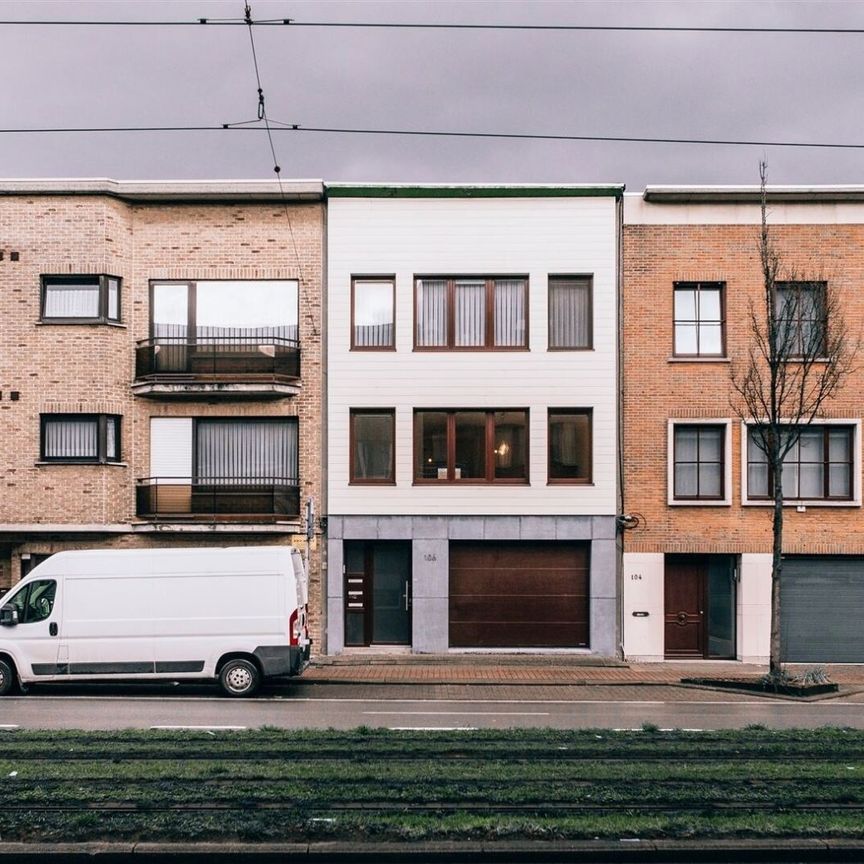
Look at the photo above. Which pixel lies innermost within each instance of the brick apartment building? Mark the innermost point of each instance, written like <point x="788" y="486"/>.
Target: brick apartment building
<point x="696" y="580"/>
<point x="161" y="376"/>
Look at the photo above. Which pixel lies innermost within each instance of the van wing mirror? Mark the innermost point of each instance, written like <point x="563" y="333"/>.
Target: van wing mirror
<point x="8" y="615"/>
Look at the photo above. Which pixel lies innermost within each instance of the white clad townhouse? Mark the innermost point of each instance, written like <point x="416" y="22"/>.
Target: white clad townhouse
<point x="472" y="417"/>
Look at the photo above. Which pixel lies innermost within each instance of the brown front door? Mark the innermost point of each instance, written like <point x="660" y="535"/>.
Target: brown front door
<point x="685" y="607"/>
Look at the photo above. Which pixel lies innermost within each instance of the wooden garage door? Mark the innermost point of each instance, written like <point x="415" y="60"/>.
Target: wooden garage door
<point x="515" y="595"/>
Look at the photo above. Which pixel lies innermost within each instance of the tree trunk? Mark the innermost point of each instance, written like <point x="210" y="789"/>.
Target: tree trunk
<point x="774" y="663"/>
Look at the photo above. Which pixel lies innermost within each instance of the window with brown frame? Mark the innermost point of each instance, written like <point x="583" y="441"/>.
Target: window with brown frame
<point x="570" y="445"/>
<point x="699" y="462"/>
<point x="570" y="313"/>
<point x="802" y="321"/>
<point x="373" y="322"/>
<point x="476" y="446"/>
<point x="818" y="466"/>
<point x="372" y="445"/>
<point x="700" y="323"/>
<point x="466" y="313"/>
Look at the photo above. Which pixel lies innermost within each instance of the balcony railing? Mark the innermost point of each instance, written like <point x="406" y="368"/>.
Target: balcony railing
<point x="218" y="498"/>
<point x="215" y="358"/>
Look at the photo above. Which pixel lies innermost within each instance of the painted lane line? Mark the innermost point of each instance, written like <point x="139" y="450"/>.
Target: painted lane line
<point x="432" y="728"/>
<point x="464" y="713"/>
<point x="9" y="726"/>
<point x="200" y="728"/>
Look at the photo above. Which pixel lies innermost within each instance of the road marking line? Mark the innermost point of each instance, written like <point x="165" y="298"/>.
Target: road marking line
<point x="201" y="728"/>
<point x="432" y="728"/>
<point x="9" y="726"/>
<point x="465" y="713"/>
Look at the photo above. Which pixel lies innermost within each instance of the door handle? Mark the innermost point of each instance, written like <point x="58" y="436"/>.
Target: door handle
<point x="52" y="628"/>
<point x="407" y="595"/>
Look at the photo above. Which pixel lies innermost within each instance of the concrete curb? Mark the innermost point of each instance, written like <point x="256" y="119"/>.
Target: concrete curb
<point x="501" y="852"/>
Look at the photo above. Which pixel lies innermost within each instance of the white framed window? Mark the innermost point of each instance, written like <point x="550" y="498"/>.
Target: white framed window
<point x="822" y="469"/>
<point x="699" y="462"/>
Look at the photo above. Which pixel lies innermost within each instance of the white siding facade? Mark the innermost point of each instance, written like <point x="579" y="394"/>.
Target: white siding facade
<point x="535" y="233"/>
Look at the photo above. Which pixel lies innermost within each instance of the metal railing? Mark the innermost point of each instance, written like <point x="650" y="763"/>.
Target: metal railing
<point x="167" y="357"/>
<point x="217" y="497"/>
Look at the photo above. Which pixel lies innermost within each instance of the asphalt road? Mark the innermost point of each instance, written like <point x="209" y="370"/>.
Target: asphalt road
<point x="342" y="707"/>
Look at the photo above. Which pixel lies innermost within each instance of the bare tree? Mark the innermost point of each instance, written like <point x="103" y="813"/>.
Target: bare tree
<point x="800" y="352"/>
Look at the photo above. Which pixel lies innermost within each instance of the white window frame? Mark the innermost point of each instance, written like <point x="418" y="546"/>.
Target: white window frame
<point x="726" y="500"/>
<point x="806" y="502"/>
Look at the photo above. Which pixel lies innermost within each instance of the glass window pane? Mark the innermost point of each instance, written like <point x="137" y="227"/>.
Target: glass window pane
<point x="72" y="298"/>
<point x="247" y="310"/>
<point x="71" y="438"/>
<point x="373" y="446"/>
<point x="839" y="481"/>
<point x="810" y="445"/>
<point x="710" y="339"/>
<point x="709" y="304"/>
<point x="686" y="480"/>
<point x="569" y="313"/>
<point x="790" y="480"/>
<point x="757" y="481"/>
<point x="511" y="445"/>
<point x="711" y="443"/>
<point x="112" y="438"/>
<point x="710" y="481"/>
<point x="686" y="444"/>
<point x="471" y="314"/>
<point x="432" y="450"/>
<point x="113" y="299"/>
<point x="811" y="479"/>
<point x="432" y="313"/>
<point x="510" y="312"/>
<point x="686" y="339"/>
<point x="239" y="451"/>
<point x="373" y="314"/>
<point x="685" y="304"/>
<point x="170" y="310"/>
<point x="755" y="453"/>
<point x="839" y="443"/>
<point x="470" y="445"/>
<point x="570" y="446"/>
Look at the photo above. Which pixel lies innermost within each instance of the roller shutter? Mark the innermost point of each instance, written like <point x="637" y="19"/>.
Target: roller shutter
<point x="515" y="595"/>
<point x="822" y="607"/>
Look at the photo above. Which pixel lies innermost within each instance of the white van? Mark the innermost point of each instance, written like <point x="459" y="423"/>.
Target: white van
<point x="236" y="615"/>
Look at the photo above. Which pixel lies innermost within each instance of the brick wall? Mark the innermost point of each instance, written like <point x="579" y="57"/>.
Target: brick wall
<point x="656" y="389"/>
<point x="89" y="368"/>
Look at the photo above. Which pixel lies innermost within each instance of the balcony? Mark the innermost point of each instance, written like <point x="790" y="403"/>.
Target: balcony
<point x="236" y="367"/>
<point x="215" y="499"/>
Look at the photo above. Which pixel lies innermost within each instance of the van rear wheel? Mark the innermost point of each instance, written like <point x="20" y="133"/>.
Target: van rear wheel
<point x="239" y="677"/>
<point x="7" y="677"/>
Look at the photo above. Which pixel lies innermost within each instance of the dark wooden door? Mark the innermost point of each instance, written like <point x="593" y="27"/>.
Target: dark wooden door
<point x="685" y="607"/>
<point x="513" y="595"/>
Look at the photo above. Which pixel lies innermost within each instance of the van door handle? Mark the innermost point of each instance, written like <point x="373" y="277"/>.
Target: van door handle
<point x="52" y="628"/>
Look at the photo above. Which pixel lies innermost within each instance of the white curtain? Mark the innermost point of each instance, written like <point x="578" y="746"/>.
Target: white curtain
<point x="432" y="313"/>
<point x="509" y="312"/>
<point x="569" y="313"/>
<point x="70" y="438"/>
<point x="72" y="300"/>
<point x="247" y="451"/>
<point x="470" y="313"/>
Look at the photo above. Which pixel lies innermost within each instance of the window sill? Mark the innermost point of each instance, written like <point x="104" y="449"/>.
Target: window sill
<point x="467" y="349"/>
<point x="79" y="322"/>
<point x="562" y="482"/>
<point x="371" y="482"/>
<point x="452" y="483"/>
<point x="697" y="503"/>
<point x="806" y="503"/>
<point x="80" y="463"/>
<point x="698" y="360"/>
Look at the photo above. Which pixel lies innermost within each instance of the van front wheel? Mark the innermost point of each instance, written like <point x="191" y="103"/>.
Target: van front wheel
<point x="239" y="678"/>
<point x="7" y="677"/>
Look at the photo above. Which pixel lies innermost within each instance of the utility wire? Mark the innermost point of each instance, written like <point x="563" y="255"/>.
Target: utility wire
<point x="277" y="126"/>
<point x="381" y="25"/>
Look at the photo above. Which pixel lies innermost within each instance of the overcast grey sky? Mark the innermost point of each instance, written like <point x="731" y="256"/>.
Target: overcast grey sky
<point x="681" y="85"/>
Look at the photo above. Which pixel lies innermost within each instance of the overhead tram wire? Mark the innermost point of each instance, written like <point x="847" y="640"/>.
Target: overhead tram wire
<point x="277" y="126"/>
<point x="387" y="25"/>
<point x="277" y="170"/>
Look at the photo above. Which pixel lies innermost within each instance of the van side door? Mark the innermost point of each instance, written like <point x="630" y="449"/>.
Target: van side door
<point x="35" y="637"/>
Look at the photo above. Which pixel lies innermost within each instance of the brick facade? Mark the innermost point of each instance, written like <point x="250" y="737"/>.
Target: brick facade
<point x="88" y="368"/>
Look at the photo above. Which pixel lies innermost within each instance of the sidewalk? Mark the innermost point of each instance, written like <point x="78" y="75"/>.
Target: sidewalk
<point x="539" y="669"/>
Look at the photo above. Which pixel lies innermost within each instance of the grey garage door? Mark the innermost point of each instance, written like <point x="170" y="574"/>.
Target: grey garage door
<point x="822" y="610"/>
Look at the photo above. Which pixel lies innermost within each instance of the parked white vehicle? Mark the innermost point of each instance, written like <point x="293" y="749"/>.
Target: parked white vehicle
<point x="236" y="615"/>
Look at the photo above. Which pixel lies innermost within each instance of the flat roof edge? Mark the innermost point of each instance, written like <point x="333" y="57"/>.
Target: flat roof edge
<point x="171" y="190"/>
<point x="752" y="194"/>
<point x="472" y="190"/>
